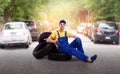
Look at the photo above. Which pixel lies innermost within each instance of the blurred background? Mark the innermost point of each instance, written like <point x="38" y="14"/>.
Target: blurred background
<point x="96" y="22"/>
<point x="47" y="13"/>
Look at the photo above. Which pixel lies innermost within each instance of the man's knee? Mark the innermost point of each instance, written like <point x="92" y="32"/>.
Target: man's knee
<point x="78" y="39"/>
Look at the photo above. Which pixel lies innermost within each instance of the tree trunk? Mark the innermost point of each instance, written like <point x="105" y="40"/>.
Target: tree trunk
<point x="6" y="14"/>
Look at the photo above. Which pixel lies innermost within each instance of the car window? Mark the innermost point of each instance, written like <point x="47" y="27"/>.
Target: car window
<point x="107" y="26"/>
<point x="13" y="26"/>
<point x="29" y="23"/>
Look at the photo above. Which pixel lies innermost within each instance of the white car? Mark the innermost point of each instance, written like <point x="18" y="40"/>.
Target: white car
<point x="81" y="27"/>
<point x="15" y="33"/>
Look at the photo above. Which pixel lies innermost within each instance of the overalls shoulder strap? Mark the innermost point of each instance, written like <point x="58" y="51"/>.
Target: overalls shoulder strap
<point x="65" y="33"/>
<point x="59" y="33"/>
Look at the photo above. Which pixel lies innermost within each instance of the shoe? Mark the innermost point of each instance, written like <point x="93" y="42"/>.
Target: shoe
<point x="93" y="58"/>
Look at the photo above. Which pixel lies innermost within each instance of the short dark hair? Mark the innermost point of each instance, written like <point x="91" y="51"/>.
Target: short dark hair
<point x="62" y="21"/>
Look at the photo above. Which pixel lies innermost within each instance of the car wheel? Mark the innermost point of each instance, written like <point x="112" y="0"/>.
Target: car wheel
<point x="117" y="42"/>
<point x="41" y="50"/>
<point x="30" y="43"/>
<point x="2" y="46"/>
<point x="95" y="41"/>
<point x="59" y="56"/>
<point x="26" y="45"/>
<point x="43" y="36"/>
<point x="92" y="37"/>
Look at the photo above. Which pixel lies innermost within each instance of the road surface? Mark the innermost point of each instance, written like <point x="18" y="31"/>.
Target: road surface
<point x="18" y="60"/>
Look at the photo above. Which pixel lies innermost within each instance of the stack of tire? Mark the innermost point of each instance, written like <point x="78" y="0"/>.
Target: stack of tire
<point x="44" y="49"/>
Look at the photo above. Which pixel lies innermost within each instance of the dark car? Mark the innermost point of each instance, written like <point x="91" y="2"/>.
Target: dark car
<point x="105" y="32"/>
<point x="33" y="28"/>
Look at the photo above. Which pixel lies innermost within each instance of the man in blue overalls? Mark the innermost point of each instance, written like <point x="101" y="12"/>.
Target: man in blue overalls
<point x="60" y="38"/>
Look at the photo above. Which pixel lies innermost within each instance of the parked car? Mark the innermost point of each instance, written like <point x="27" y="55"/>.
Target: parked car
<point x="105" y="31"/>
<point x="81" y="28"/>
<point x="14" y="33"/>
<point x="90" y="28"/>
<point x="33" y="28"/>
<point x="87" y="29"/>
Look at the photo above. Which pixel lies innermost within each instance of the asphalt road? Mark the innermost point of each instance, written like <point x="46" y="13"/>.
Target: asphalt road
<point x="17" y="60"/>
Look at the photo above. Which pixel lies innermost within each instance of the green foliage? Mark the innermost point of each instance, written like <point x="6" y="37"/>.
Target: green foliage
<point x="42" y="9"/>
<point x="102" y="9"/>
<point x="3" y="4"/>
<point x="22" y="9"/>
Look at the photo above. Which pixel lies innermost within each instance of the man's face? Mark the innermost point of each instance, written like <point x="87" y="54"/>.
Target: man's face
<point x="62" y="26"/>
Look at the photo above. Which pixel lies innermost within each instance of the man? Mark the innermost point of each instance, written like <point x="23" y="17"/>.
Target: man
<point x="60" y="38"/>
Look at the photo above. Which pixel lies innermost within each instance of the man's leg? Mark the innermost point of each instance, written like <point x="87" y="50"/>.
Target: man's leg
<point x="74" y="52"/>
<point x="77" y="43"/>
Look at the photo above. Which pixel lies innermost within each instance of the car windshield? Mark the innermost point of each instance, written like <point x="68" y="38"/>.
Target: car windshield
<point x="13" y="26"/>
<point x="29" y="23"/>
<point x="107" y="26"/>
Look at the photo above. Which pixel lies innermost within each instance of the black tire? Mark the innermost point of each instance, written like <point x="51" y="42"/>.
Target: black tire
<point x="2" y="46"/>
<point x="55" y="55"/>
<point x="59" y="56"/>
<point x="95" y="41"/>
<point x="117" y="42"/>
<point x="43" y="36"/>
<point x="26" y="45"/>
<point x="41" y="50"/>
<point x="54" y="49"/>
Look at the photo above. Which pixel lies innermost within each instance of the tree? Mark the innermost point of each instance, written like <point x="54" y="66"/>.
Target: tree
<point x="103" y="9"/>
<point x="3" y="4"/>
<point x="21" y="9"/>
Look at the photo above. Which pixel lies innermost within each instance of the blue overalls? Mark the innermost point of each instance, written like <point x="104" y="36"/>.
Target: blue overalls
<point x="70" y="49"/>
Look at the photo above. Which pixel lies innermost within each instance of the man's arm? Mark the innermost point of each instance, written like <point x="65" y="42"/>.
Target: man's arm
<point x="49" y="39"/>
<point x="73" y="36"/>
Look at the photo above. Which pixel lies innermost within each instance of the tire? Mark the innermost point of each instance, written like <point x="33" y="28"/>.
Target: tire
<point x="117" y="42"/>
<point x="59" y="56"/>
<point x="95" y="41"/>
<point x="26" y="45"/>
<point x="43" y="36"/>
<point x="2" y="46"/>
<point x="55" y="55"/>
<point x="54" y="49"/>
<point x="41" y="50"/>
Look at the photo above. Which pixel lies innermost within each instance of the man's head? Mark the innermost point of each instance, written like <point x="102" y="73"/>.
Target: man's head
<point x="62" y="24"/>
<point x="62" y="21"/>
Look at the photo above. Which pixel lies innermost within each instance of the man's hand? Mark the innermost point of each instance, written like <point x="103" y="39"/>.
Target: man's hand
<point x="58" y="43"/>
<point x="49" y="39"/>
